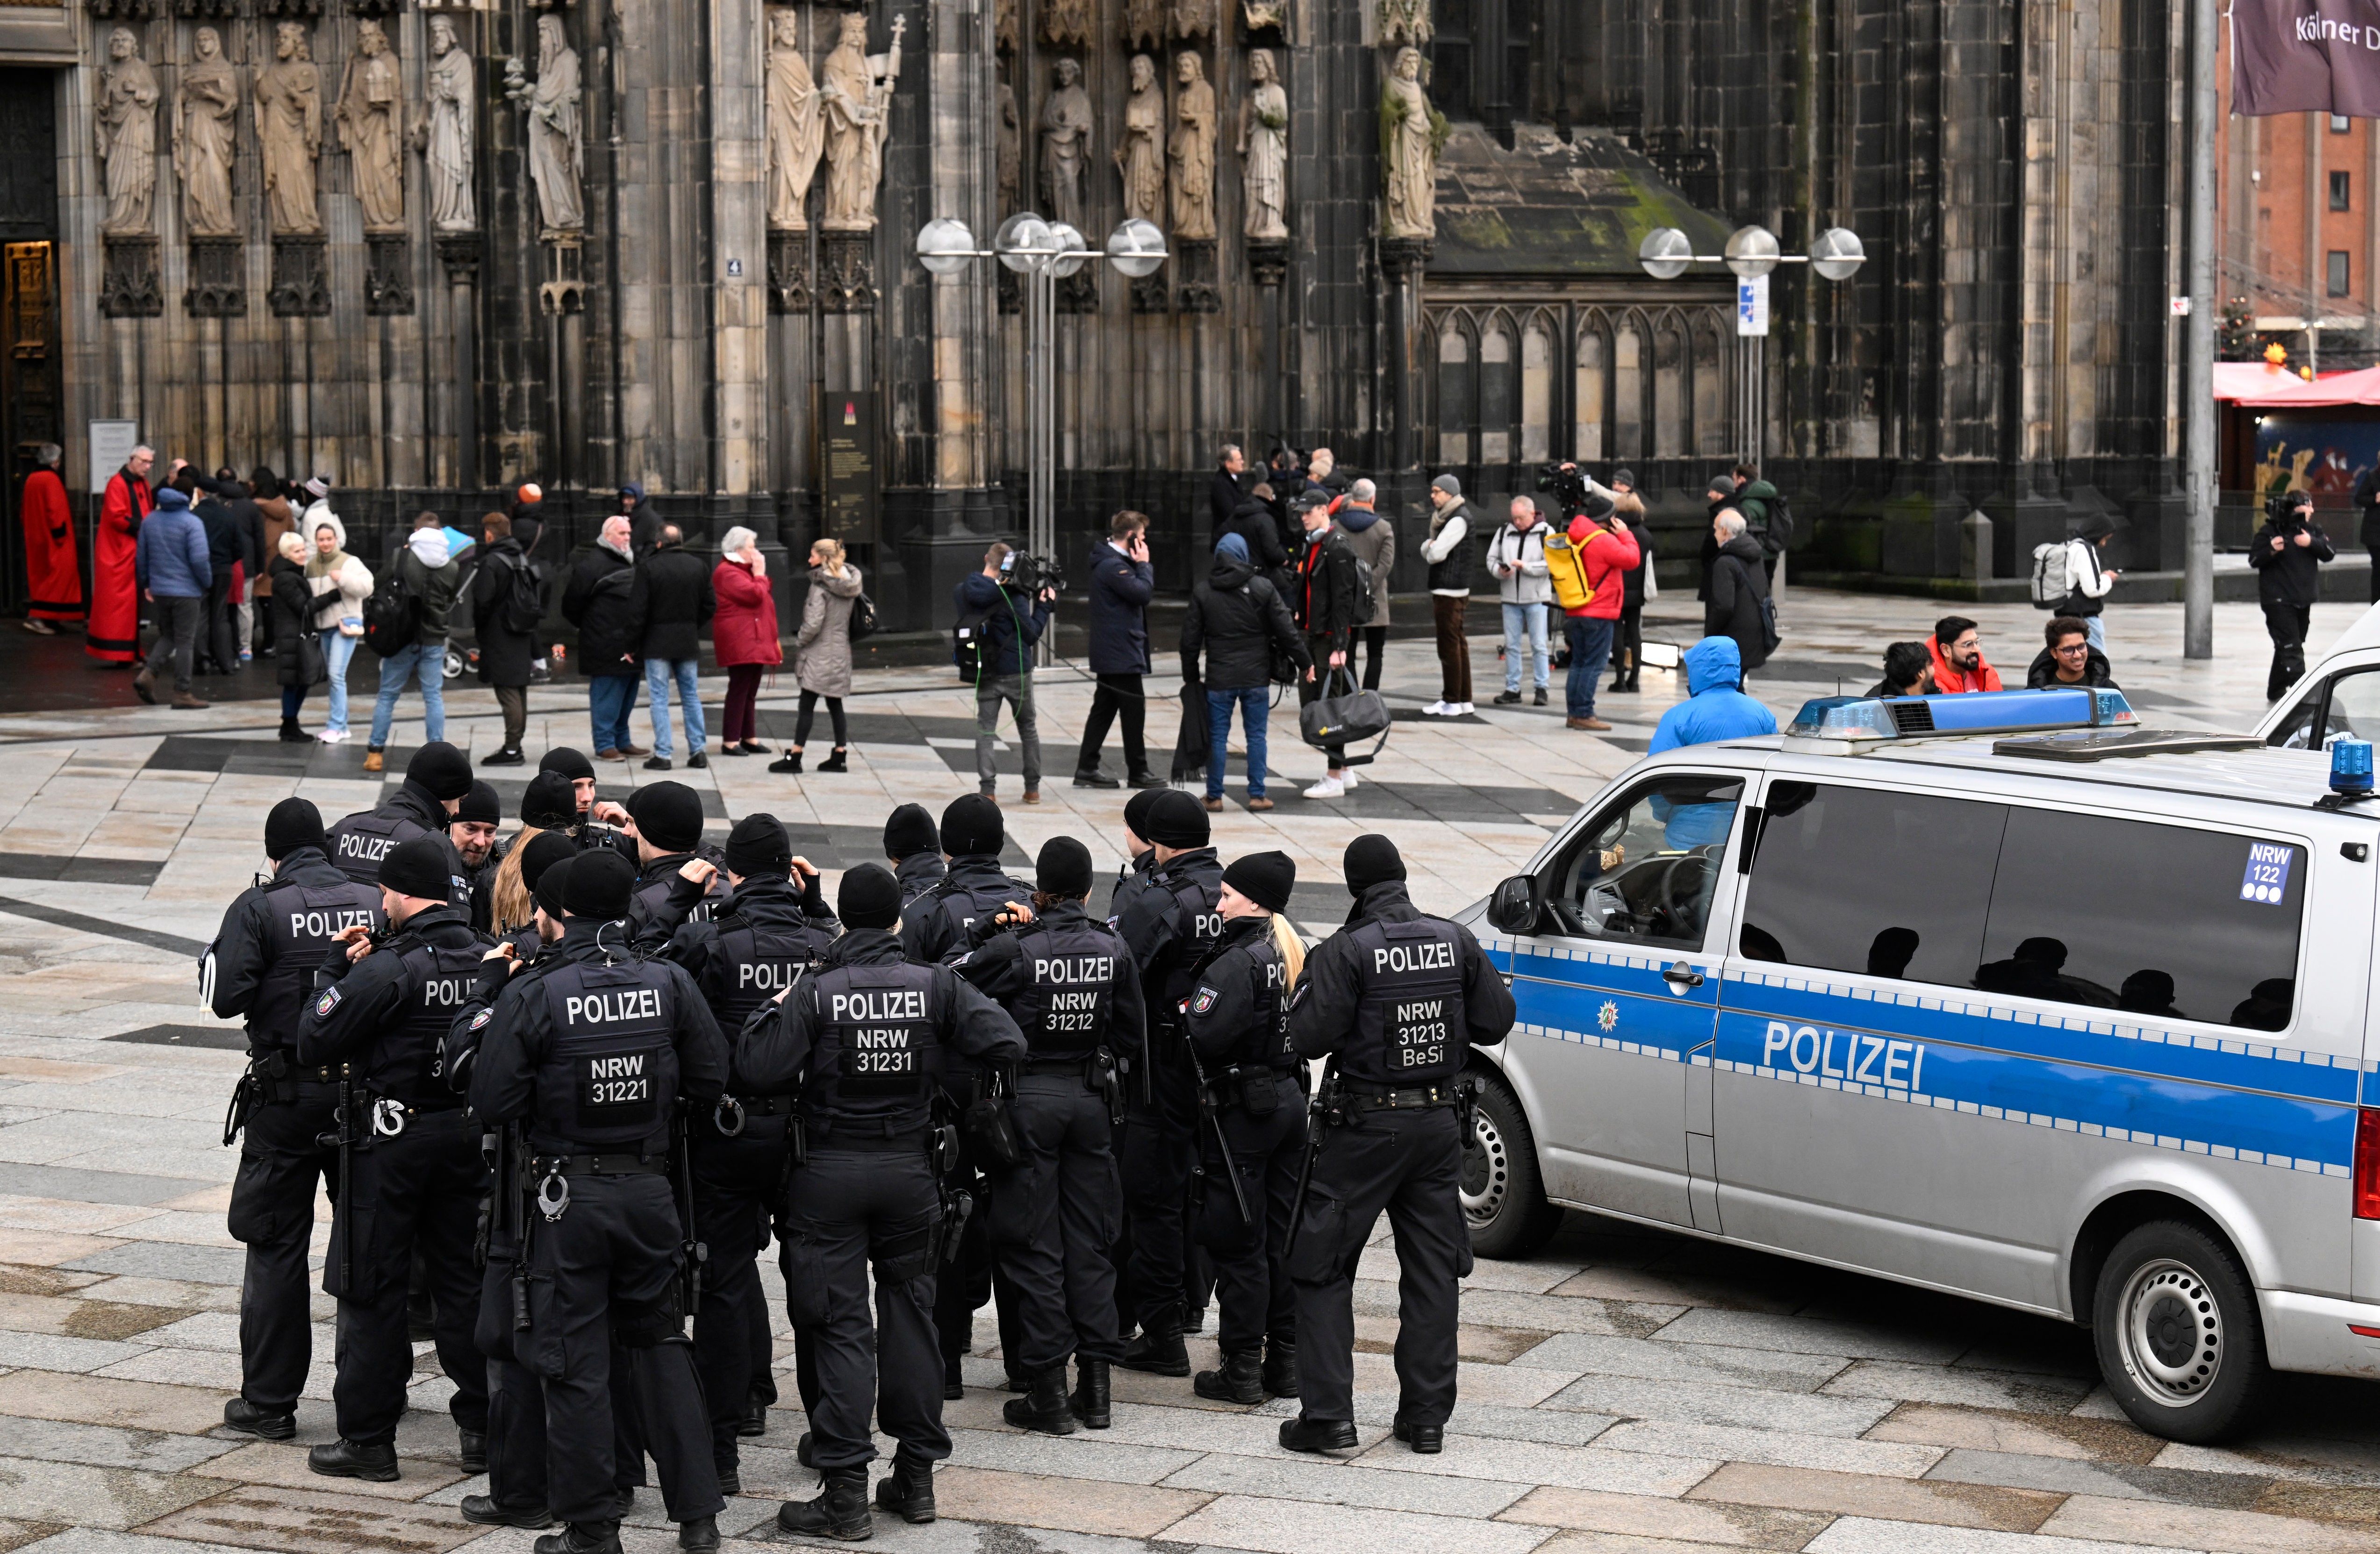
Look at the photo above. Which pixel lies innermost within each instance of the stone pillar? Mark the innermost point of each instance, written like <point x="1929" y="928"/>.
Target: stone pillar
<point x="737" y="263"/>
<point x="562" y="298"/>
<point x="1402" y="261"/>
<point x="459" y="252"/>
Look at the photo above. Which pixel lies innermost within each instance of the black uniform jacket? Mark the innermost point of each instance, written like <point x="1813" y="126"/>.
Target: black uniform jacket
<point x="1322" y="1016"/>
<point x="774" y="1050"/>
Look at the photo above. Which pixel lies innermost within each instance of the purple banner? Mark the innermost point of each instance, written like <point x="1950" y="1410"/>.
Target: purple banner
<point x="2305" y="56"/>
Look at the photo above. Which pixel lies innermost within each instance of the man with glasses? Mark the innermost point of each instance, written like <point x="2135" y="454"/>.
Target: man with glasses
<point x="2069" y="659"/>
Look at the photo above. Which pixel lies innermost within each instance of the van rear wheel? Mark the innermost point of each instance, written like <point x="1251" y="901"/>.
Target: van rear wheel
<point x="2180" y="1342"/>
<point x="1503" y="1198"/>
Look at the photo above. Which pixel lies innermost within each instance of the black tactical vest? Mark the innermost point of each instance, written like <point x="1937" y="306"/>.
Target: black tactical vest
<point x="751" y="966"/>
<point x="1409" y="1025"/>
<point x="960" y="906"/>
<point x="1264" y="1042"/>
<point x="609" y="1078"/>
<point x="879" y="1052"/>
<point x="1068" y="1003"/>
<point x="299" y="921"/>
<point x="408" y="1062"/>
<point x="358" y="843"/>
<point x="1197" y="914"/>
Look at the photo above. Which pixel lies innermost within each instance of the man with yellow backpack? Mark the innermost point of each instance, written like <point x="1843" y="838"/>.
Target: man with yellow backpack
<point x="1588" y="565"/>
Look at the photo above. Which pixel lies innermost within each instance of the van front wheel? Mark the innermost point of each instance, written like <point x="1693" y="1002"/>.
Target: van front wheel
<point x="2179" y="1340"/>
<point x="1503" y="1198"/>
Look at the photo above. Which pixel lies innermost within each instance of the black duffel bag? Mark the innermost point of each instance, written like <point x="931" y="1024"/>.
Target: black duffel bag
<point x="1345" y="719"/>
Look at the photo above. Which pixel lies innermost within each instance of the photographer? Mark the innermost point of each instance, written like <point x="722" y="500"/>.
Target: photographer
<point x="1014" y="612"/>
<point x="2288" y="553"/>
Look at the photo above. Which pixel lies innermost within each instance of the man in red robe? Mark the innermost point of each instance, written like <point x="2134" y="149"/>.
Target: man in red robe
<point x="114" y="634"/>
<point x="53" y="583"/>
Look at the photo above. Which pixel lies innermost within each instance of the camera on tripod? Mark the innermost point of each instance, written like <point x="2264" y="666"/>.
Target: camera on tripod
<point x="1030" y="574"/>
<point x="1568" y="485"/>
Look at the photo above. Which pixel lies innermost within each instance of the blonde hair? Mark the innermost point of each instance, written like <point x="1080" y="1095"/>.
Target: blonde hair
<point x="510" y="903"/>
<point x="293" y="545"/>
<point x="832" y="550"/>
<point x="1293" y="951"/>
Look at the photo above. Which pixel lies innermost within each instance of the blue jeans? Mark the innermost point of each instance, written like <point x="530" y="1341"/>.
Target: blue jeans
<point x="426" y="663"/>
<point x="1526" y="621"/>
<point x="610" y="699"/>
<point x="336" y="651"/>
<point x="2096" y="630"/>
<point x="1590" y="650"/>
<point x="1254" y="704"/>
<point x="658" y="672"/>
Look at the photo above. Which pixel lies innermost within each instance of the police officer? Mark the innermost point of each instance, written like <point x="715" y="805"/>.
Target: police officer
<point x="1072" y="986"/>
<point x="1168" y="923"/>
<point x="665" y="822"/>
<point x="261" y="965"/>
<point x="1140" y="858"/>
<point x="473" y="831"/>
<point x="768" y="932"/>
<point x="1395" y="1000"/>
<point x="868" y="1040"/>
<point x="1237" y="1025"/>
<point x="594" y="1049"/>
<point x="436" y="779"/>
<point x="914" y="847"/>
<point x="591" y="816"/>
<point x="415" y="1174"/>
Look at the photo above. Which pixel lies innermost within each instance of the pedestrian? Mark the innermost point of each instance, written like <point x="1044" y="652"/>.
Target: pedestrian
<point x="1253" y="522"/>
<point x="473" y="830"/>
<point x="1739" y="606"/>
<point x="53" y="578"/>
<point x="546" y="809"/>
<point x="1324" y="604"/>
<point x="295" y="616"/>
<point x="171" y="562"/>
<point x="1450" y="550"/>
<point x="1374" y="541"/>
<point x="2288" y="553"/>
<point x="248" y="572"/>
<point x="2070" y="658"/>
<point x="744" y="637"/>
<point x="317" y="491"/>
<point x="1223" y="492"/>
<point x="507" y="652"/>
<point x="114" y="634"/>
<point x="1516" y="555"/>
<point x="1394" y="998"/>
<point x="1907" y="670"/>
<point x="1239" y="623"/>
<point x="1076" y="996"/>
<point x="1628" y="638"/>
<point x="274" y="518"/>
<point x="1716" y="706"/>
<point x="912" y="846"/>
<point x="1717" y="498"/>
<point x="217" y="652"/>
<point x="596" y="601"/>
<point x="1010" y="621"/>
<point x="332" y="575"/>
<point x="1255" y="1092"/>
<point x="1761" y="505"/>
<point x="1604" y="548"/>
<point x="1121" y="583"/>
<point x="866" y="1195"/>
<point x="644" y="521"/>
<point x="1956" y="650"/>
<point x="670" y="601"/>
<point x="665" y="825"/>
<point x="262" y="967"/>
<point x="2088" y="582"/>
<point x="823" y="667"/>
<point x="420" y="567"/>
<point x="1323" y="476"/>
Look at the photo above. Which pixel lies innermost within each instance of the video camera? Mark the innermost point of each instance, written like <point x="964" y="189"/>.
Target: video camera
<point x="1567" y="483"/>
<point x="2281" y="508"/>
<point x="1030" y="574"/>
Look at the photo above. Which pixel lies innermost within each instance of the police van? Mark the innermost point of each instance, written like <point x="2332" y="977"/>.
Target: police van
<point x="2004" y="995"/>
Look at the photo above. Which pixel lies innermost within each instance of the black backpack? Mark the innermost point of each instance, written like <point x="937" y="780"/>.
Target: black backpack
<point x="392" y="614"/>
<point x="1779" y="533"/>
<point x="524" y="599"/>
<point x="862" y="619"/>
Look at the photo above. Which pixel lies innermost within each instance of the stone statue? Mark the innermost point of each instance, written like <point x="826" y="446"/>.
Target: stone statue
<point x="1405" y="21"/>
<point x="126" y="120"/>
<point x="558" y="141"/>
<point x="793" y="142"/>
<point x="855" y="102"/>
<point x="1065" y="144"/>
<point x="370" y="97"/>
<point x="1193" y="19"/>
<point x="1262" y="14"/>
<point x="1011" y="149"/>
<point x="1144" y="23"/>
<point x="1067" y="22"/>
<point x="1192" y="150"/>
<point x="1264" y="150"/>
<point x="1140" y="155"/>
<point x="1412" y="134"/>
<point x="289" y="126"/>
<point x="203" y="106"/>
<point x="444" y="137"/>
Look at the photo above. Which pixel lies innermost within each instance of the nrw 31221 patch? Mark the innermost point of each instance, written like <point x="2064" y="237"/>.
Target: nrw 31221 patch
<point x="1204" y="1001"/>
<point x="326" y="1002"/>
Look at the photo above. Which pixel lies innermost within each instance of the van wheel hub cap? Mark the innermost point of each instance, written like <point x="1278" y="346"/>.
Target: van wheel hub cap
<point x="2171" y="1330"/>
<point x="1487" y="1170"/>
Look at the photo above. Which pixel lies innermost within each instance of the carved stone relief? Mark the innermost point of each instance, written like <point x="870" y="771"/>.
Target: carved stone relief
<point x="1193" y="19"/>
<point x="1191" y="151"/>
<point x="124" y="115"/>
<point x="1140" y="153"/>
<point x="1011" y="147"/>
<point x="1065" y="144"/>
<point x="203" y="105"/>
<point x="370" y="96"/>
<point x="854" y="103"/>
<point x="794" y="141"/>
<point x="1264" y="150"/>
<point x="1405" y="21"/>
<point x="289" y="126"/>
<point x="1144" y="24"/>
<point x="445" y="134"/>
<point x="1066" y="22"/>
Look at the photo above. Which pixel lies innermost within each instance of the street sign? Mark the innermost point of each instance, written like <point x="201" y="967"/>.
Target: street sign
<point x="1752" y="304"/>
<point x="111" y="443"/>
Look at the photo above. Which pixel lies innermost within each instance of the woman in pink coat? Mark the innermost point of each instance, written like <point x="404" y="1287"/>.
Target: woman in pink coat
<point x="744" y="634"/>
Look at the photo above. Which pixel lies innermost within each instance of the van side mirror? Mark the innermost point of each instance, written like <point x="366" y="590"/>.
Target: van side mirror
<point x="1514" y="906"/>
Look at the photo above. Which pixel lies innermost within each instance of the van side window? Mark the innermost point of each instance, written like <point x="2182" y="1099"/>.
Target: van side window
<point x="2155" y="919"/>
<point x="2354" y="707"/>
<point x="1894" y="884"/>
<point x="1644" y="870"/>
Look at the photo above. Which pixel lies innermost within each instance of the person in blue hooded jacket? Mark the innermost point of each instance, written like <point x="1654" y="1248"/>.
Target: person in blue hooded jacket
<point x="172" y="561"/>
<point x="1715" y="707"/>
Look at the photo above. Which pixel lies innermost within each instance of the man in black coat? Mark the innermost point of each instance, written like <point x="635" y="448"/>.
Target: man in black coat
<point x="1236" y="617"/>
<point x="506" y="655"/>
<point x="669" y="604"/>
<point x="643" y="523"/>
<point x="1739" y="590"/>
<point x="1121" y="583"/>
<point x="2288" y="553"/>
<point x="1323" y="593"/>
<point x="223" y="552"/>
<point x="596" y="601"/>
<point x="1223" y="492"/>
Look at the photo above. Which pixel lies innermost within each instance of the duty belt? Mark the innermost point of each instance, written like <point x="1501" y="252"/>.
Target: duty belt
<point x="596" y="1165"/>
<point x="829" y="1135"/>
<point x="1404" y="1100"/>
<point x="1075" y="1065"/>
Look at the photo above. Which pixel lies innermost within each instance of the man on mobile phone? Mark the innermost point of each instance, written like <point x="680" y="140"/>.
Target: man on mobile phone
<point x="1122" y="583"/>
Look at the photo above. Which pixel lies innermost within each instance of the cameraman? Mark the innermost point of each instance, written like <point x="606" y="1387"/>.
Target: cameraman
<point x="1014" y="618"/>
<point x="2288" y="553"/>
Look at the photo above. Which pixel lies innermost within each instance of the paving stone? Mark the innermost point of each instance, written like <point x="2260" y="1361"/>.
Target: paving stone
<point x="284" y="1462"/>
<point x="1346" y="1484"/>
<point x="1074" y="1505"/>
<point x="50" y="1248"/>
<point x="104" y="1445"/>
<point x="15" y="1533"/>
<point x="1497" y="1346"/>
<point x="2225" y="1532"/>
<point x="1651" y="1285"/>
<point x="1554" y="1427"/>
<point x="1250" y="1435"/>
<point x="89" y="1400"/>
<point x="1299" y="1527"/>
<point x="2299" y="1458"/>
<point x="180" y="1367"/>
<point x="1696" y="1402"/>
<point x="23" y="1279"/>
<point x="1656" y="1360"/>
<point x="1751" y="1329"/>
<point x="1743" y="1526"/>
<point x="1860" y="1535"/>
<point x="21" y="1212"/>
<point x="319" y="1521"/>
<point x="1082" y="1455"/>
<point x="96" y="1540"/>
<point x="2123" y="1481"/>
<point x="209" y="1329"/>
<point x="206" y="1265"/>
<point x="71" y="1316"/>
<point x="79" y="1494"/>
<point x="1900" y="1500"/>
<point x="48" y="1351"/>
<point x="1579" y="1467"/>
<point x="1510" y="1385"/>
<point x="1501" y="1309"/>
<point x="1782" y="1447"/>
<point x="1978" y="1389"/>
<point x="2325" y="1502"/>
<point x="182" y="1293"/>
<point x="2097" y="1440"/>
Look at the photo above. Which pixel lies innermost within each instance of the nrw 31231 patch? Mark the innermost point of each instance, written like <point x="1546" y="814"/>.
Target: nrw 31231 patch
<point x="1204" y="1001"/>
<point x="326" y="1002"/>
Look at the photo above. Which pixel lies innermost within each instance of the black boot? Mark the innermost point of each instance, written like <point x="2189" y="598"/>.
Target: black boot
<point x="1280" y="1368"/>
<point x="803" y="1454"/>
<point x="249" y="1420"/>
<point x="1239" y="1380"/>
<point x="755" y="1418"/>
<point x="474" y="1450"/>
<point x="840" y="1511"/>
<point x="1302" y="1434"/>
<point x="582" y="1537"/>
<point x="699" y="1535"/>
<point x="790" y="763"/>
<point x="291" y="733"/>
<point x="1158" y="1350"/>
<point x="909" y="1493"/>
<point x="1089" y="1400"/>
<point x="1044" y="1406"/>
<point x="954" y="1379"/>
<point x="835" y="763"/>
<point x="488" y="1511"/>
<point x="352" y="1458"/>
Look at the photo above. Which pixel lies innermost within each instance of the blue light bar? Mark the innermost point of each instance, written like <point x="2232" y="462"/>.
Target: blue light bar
<point x="1905" y="717"/>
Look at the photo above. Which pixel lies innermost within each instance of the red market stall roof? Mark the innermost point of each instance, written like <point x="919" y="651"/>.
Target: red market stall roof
<point x="2257" y="385"/>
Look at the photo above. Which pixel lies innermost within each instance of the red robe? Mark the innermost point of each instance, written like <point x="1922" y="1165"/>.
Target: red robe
<point x="53" y="582"/>
<point x="114" y="634"/>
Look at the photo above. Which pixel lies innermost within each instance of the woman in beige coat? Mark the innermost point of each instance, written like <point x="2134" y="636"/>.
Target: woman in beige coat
<point x="824" y="646"/>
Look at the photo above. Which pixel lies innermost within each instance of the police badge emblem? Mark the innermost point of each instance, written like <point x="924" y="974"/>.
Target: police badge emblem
<point x="328" y="1002"/>
<point x="1204" y="1001"/>
<point x="1607" y="1017"/>
<point x="482" y="1018"/>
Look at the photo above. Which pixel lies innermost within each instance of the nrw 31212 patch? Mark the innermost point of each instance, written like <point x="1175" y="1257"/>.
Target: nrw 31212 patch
<point x="326" y="1002"/>
<point x="1204" y="1001"/>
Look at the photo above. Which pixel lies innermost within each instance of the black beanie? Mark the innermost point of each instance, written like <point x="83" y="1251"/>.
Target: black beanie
<point x="668" y="815"/>
<point x="418" y="867"/>
<point x="1135" y="811"/>
<point x="1175" y="820"/>
<point x="759" y="845"/>
<point x="971" y="825"/>
<point x="550" y="804"/>
<point x="598" y="885"/>
<point x="909" y="830"/>
<point x="868" y="897"/>
<point x="294" y="823"/>
<point x="1264" y="878"/>
<point x="544" y="850"/>
<point x="1064" y="869"/>
<point x="481" y="804"/>
<point x="1371" y="858"/>
<point x="441" y="768"/>
<point x="548" y="891"/>
<point x="567" y="761"/>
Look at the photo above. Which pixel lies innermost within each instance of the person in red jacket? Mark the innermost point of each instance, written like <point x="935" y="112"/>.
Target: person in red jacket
<point x="1958" y="652"/>
<point x="1607" y="550"/>
<point x="744" y="635"/>
<point x="53" y="583"/>
<point x="114" y="634"/>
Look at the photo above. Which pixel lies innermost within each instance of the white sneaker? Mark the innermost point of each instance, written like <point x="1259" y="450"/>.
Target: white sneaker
<point x="332" y="735"/>
<point x="1463" y="712"/>
<point x="1437" y="710"/>
<point x="1347" y="779"/>
<point x="1330" y="787"/>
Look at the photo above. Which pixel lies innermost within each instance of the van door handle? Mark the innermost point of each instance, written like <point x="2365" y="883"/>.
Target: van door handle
<point x="1682" y="976"/>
